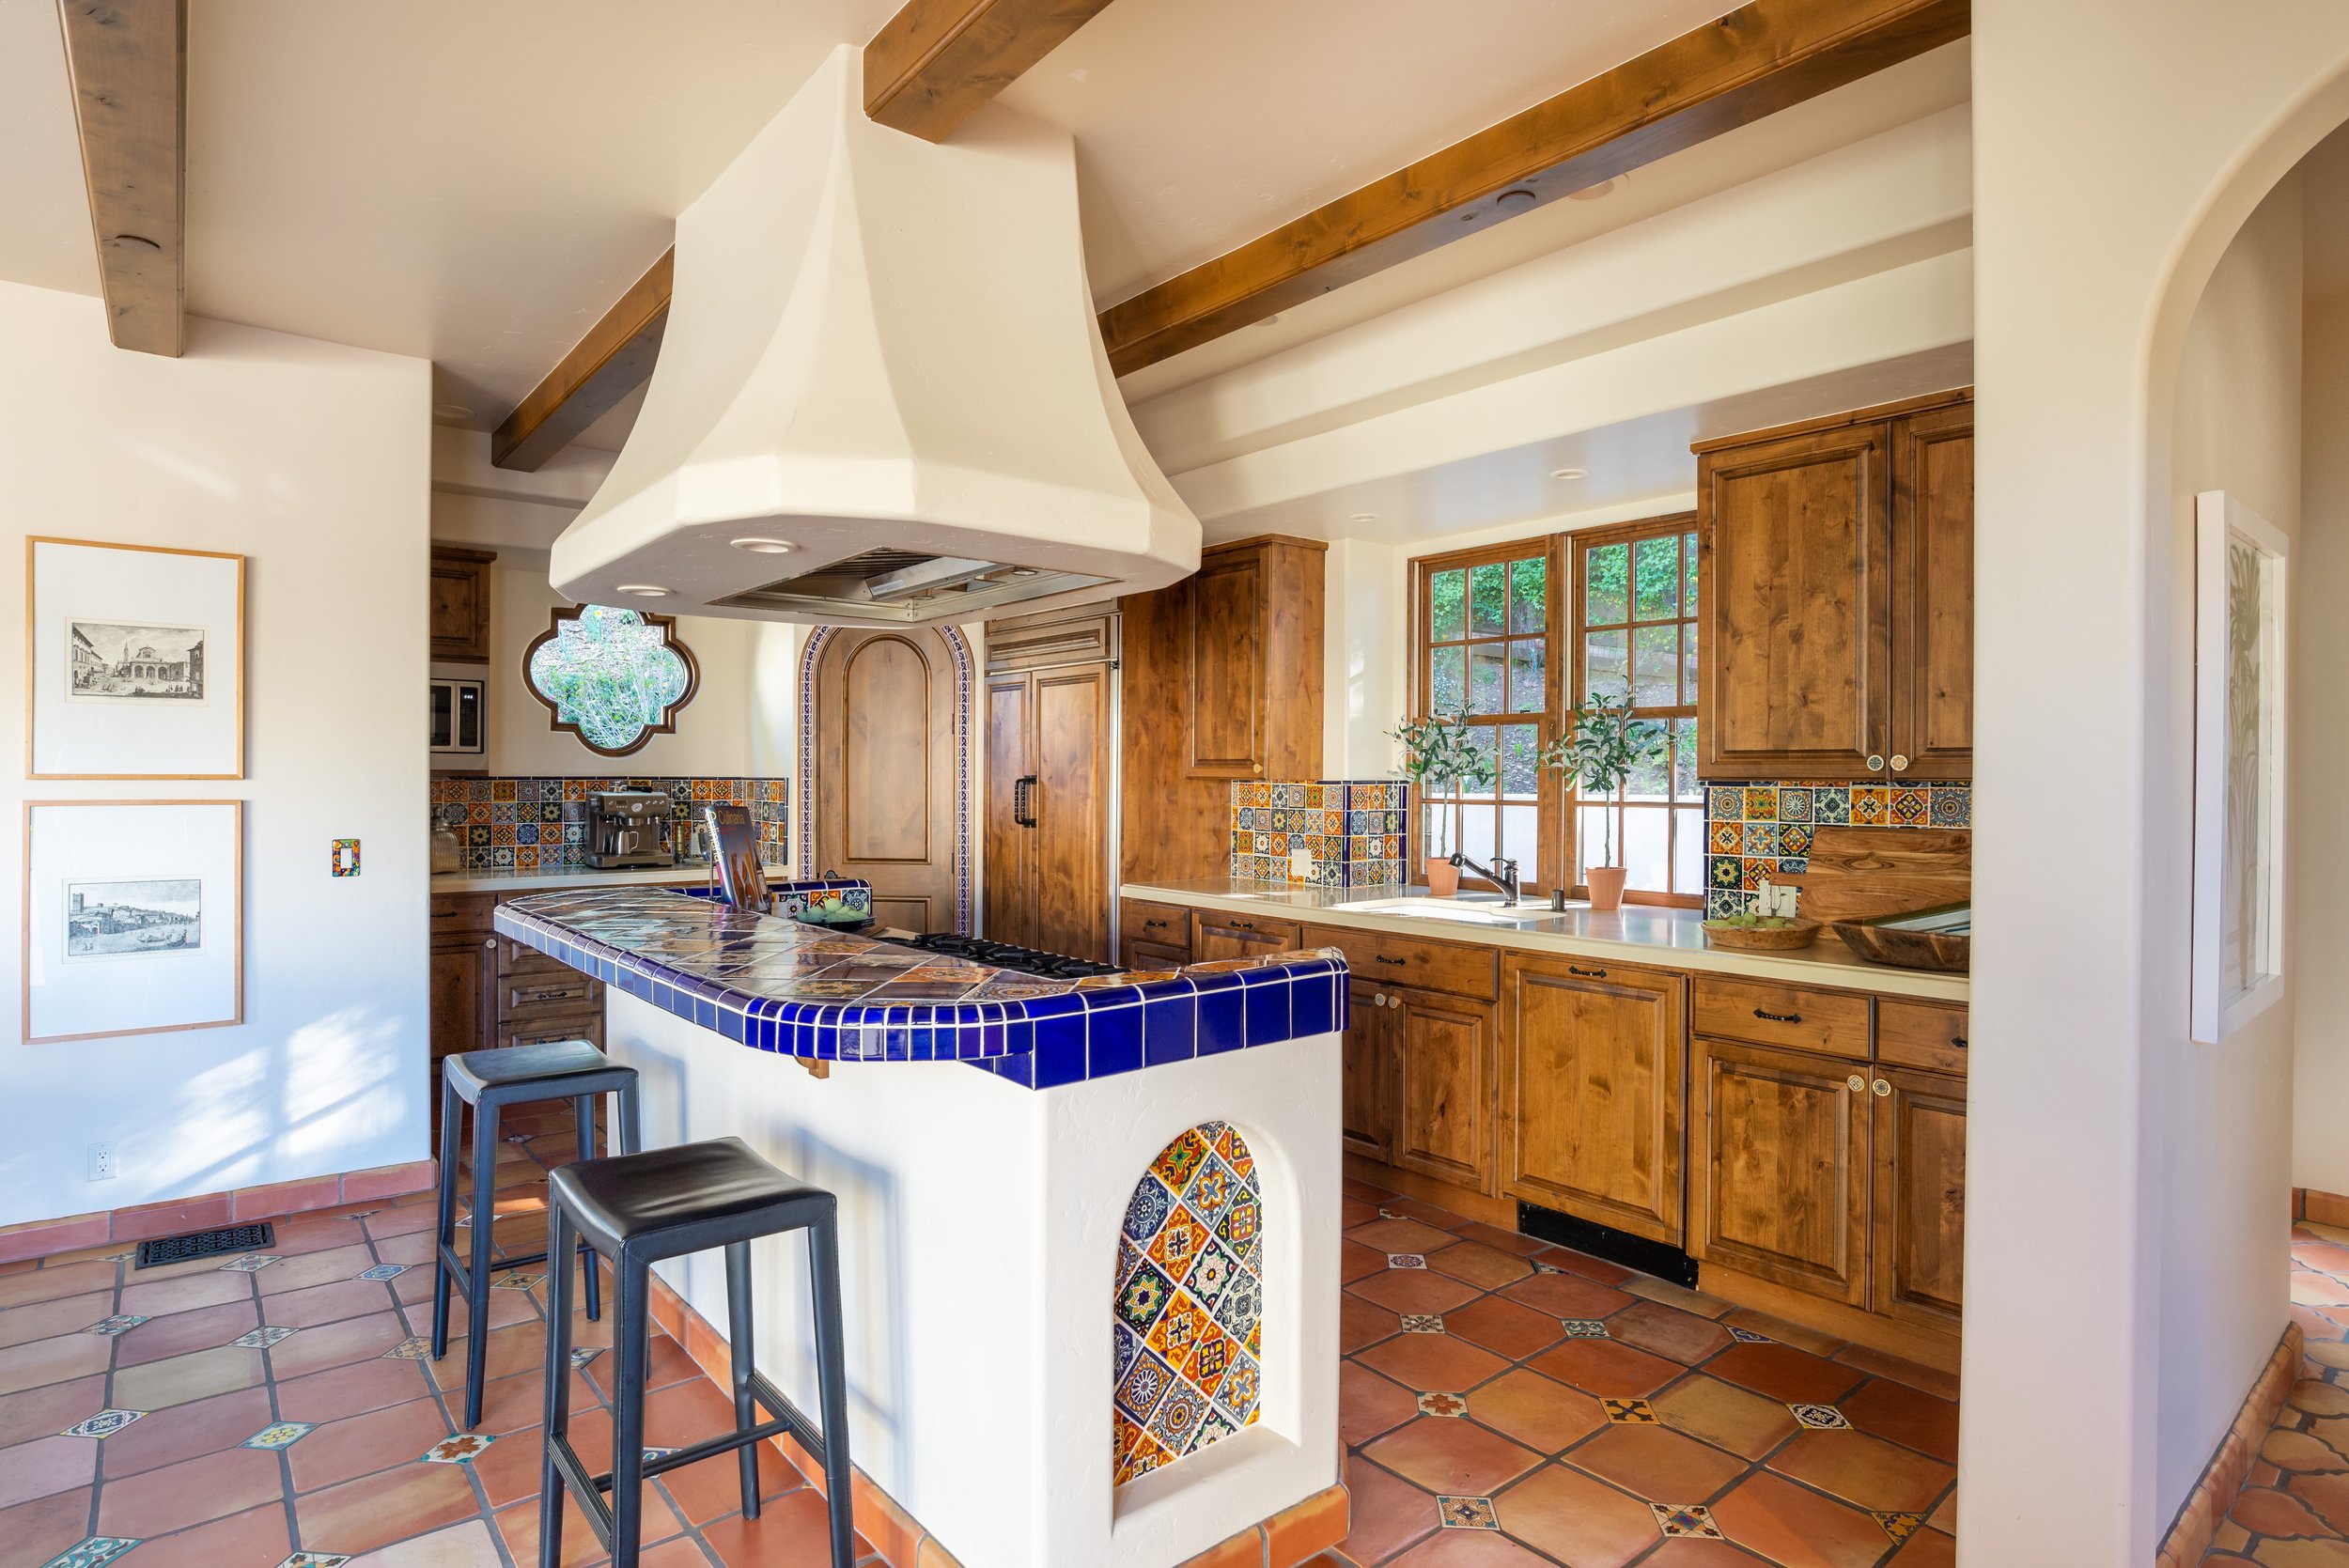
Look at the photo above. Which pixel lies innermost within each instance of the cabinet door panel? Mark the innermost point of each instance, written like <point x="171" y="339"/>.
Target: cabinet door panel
<point x="1593" y="1079"/>
<point x="1443" y="1112"/>
<point x="1227" y="668"/>
<point x="462" y="973"/>
<point x="1794" y="582"/>
<point x="1366" y="1105"/>
<point x="1932" y="594"/>
<point x="1220" y="936"/>
<point x="1009" y="847"/>
<point x="1136" y="953"/>
<point x="1920" y="1237"/>
<point x="1070" y="904"/>
<point x="1782" y="1190"/>
<point x="460" y="612"/>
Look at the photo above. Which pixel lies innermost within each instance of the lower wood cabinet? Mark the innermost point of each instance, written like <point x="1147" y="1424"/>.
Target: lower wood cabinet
<point x="1418" y="1082"/>
<point x="1368" y="1067"/>
<point x="1593" y="1080"/>
<point x="488" y="991"/>
<point x="1220" y="936"/>
<point x="1152" y="935"/>
<point x="1918" y="1242"/>
<point x="463" y="973"/>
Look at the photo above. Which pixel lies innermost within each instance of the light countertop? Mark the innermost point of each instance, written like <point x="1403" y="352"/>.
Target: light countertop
<point x="690" y="873"/>
<point x="1637" y="932"/>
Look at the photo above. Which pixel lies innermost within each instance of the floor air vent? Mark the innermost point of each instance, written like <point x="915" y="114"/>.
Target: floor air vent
<point x="206" y="1244"/>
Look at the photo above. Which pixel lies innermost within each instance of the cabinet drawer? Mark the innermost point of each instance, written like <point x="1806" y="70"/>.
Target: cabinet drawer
<point x="1157" y="925"/>
<point x="1144" y="958"/>
<point x="514" y="958"/>
<point x="1920" y="1035"/>
<point x="1832" y="1022"/>
<point x="1220" y="936"/>
<point x="532" y="996"/>
<point x="536" y="1031"/>
<point x="461" y="911"/>
<point x="1462" y="971"/>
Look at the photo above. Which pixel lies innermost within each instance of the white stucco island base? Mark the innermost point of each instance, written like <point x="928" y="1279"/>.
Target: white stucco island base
<point x="979" y="1233"/>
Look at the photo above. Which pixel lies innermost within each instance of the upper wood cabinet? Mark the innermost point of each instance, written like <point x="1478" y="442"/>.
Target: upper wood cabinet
<point x="460" y="604"/>
<point x="1836" y="588"/>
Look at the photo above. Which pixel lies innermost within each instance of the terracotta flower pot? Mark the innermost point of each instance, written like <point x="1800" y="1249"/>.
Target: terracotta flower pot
<point x="1606" y="883"/>
<point x="1444" y="877"/>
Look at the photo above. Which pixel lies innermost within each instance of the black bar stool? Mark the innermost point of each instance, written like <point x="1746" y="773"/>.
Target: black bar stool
<point x="490" y="1081"/>
<point x="636" y="1209"/>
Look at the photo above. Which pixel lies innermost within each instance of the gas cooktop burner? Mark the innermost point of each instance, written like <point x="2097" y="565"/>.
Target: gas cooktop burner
<point x="1004" y="956"/>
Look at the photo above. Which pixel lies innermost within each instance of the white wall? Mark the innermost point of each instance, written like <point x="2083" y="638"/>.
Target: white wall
<point x="2118" y="145"/>
<point x="312" y="460"/>
<point x="2222" y="1216"/>
<point x="2320" y="755"/>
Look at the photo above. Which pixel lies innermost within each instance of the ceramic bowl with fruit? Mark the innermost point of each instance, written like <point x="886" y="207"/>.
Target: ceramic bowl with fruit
<point x="1761" y="933"/>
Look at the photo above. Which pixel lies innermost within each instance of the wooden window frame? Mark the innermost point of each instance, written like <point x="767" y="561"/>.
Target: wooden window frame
<point x="556" y="723"/>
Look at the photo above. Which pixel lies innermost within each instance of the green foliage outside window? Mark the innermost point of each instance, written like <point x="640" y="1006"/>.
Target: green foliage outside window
<point x="611" y="673"/>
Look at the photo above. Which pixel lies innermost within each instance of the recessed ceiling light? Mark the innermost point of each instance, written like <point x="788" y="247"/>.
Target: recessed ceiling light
<point x="644" y="590"/>
<point x="1592" y="193"/>
<point x="759" y="546"/>
<point x="1519" y="197"/>
<point x="1569" y="473"/>
<point x="1363" y="517"/>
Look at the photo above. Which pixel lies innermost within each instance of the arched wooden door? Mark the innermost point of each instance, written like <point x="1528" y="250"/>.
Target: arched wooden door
<point x="886" y="740"/>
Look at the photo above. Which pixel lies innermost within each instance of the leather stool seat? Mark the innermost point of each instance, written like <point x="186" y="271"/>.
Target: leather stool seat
<point x="637" y="1201"/>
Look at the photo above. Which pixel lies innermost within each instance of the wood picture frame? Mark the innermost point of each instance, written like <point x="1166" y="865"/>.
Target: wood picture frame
<point x="176" y="871"/>
<point x="93" y="708"/>
<point x="2240" y="695"/>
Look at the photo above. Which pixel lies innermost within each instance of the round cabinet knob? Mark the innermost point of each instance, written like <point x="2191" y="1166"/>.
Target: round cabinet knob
<point x="1882" y="1088"/>
<point x="1875" y="763"/>
<point x="1856" y="1083"/>
<point x="1899" y="762"/>
<point x="1377" y="999"/>
<point x="1255" y="768"/>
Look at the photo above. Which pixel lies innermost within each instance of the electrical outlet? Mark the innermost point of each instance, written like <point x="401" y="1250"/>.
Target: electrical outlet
<point x="1300" y="863"/>
<point x="101" y="1162"/>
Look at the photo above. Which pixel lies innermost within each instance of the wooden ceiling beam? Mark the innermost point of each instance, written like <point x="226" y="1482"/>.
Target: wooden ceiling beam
<point x="613" y="360"/>
<point x="127" y="61"/>
<point x="936" y="61"/>
<point x="1759" y="58"/>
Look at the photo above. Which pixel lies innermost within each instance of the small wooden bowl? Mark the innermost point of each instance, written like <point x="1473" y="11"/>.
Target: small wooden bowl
<point x="1939" y="937"/>
<point x="1762" y="938"/>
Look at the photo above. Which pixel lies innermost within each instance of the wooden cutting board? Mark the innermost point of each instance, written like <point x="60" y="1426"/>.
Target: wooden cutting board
<point x="1884" y="871"/>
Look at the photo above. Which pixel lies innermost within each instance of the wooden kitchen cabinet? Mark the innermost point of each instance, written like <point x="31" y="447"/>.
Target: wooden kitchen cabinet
<point x="463" y="977"/>
<point x="1443" y="1101"/>
<point x="1049" y="725"/>
<point x="1835" y="564"/>
<point x="1917" y="1241"/>
<point x="1593" y="1080"/>
<point x="1368" y="1069"/>
<point x="1780" y="1143"/>
<point x="460" y="604"/>
<point x="1216" y="935"/>
<point x="1152" y="935"/>
<point x="487" y="991"/>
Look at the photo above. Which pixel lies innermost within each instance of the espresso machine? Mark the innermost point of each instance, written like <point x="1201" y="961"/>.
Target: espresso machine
<point x="627" y="827"/>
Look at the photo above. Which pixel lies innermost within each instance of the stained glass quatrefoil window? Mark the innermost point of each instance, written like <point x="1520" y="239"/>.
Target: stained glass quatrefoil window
<point x="614" y="677"/>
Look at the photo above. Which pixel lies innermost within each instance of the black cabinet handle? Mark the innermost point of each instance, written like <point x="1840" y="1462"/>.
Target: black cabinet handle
<point x="1245" y="925"/>
<point x="1152" y="925"/>
<point x="1023" y="801"/>
<point x="1398" y="963"/>
<point x="1779" y="1017"/>
<point x="1958" y="1040"/>
<point x="1587" y="974"/>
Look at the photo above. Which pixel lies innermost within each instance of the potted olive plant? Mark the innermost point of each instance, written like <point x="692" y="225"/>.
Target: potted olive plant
<point x="1439" y="757"/>
<point x="1605" y="744"/>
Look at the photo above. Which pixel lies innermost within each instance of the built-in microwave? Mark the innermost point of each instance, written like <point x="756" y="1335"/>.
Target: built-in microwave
<point x="459" y="722"/>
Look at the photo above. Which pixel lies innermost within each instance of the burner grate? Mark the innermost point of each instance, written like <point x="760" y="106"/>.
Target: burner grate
<point x="226" y="1239"/>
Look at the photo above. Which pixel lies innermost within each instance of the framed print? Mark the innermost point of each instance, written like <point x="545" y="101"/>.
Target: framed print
<point x="132" y="917"/>
<point x="2239" y="694"/>
<point x="134" y="661"/>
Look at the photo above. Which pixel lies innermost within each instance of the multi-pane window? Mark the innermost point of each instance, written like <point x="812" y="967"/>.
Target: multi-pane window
<point x="1486" y="640"/>
<point x="1635" y="628"/>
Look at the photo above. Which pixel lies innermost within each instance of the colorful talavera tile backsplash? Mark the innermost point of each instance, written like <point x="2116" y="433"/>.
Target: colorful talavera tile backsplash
<point x="1189" y="1307"/>
<point x="539" y="824"/>
<point x="1764" y="830"/>
<point x="1351" y="831"/>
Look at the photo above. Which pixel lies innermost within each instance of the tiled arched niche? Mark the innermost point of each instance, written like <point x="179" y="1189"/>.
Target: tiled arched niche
<point x="1190" y="1301"/>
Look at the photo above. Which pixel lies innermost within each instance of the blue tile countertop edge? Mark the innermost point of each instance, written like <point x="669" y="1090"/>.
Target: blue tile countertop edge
<point x="773" y="983"/>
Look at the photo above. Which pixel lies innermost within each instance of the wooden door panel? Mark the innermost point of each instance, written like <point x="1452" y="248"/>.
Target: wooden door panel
<point x="1071" y="869"/>
<point x="1221" y="935"/>
<point x="1136" y="953"/>
<point x="1783" y="1188"/>
<point x="1009" y="847"/>
<point x="460" y="604"/>
<point x="1794" y="582"/>
<point x="1444" y="1111"/>
<point x="1226" y="668"/>
<point x="1932" y="594"/>
<point x="1919" y="1241"/>
<point x="1593" y="1079"/>
<point x="886" y="740"/>
<point x="1366" y="1102"/>
<point x="885" y="814"/>
<point x="460" y="989"/>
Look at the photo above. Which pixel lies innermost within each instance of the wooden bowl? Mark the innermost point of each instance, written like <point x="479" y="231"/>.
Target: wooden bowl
<point x="1762" y="938"/>
<point x="1939" y="937"/>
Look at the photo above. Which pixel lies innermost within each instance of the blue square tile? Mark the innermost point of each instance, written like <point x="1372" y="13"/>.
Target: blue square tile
<point x="1221" y="1025"/>
<point x="1115" y="1034"/>
<point x="1268" y="1016"/>
<point x="1313" y="1007"/>
<point x="1169" y="1033"/>
<point x="1059" y="1054"/>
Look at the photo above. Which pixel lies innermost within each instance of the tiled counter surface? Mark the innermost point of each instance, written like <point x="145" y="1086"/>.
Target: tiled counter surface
<point x="1636" y="934"/>
<point x="690" y="873"/>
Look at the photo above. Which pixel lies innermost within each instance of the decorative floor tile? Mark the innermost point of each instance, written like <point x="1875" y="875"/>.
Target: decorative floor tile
<point x="1442" y="1404"/>
<point x="516" y="1282"/>
<point x="1629" y="1412"/>
<point x="1584" y="1328"/>
<point x="103" y="1425"/>
<point x="1820" y="1418"/>
<point x="260" y="1338"/>
<point x="280" y="1436"/>
<point x="583" y="1355"/>
<point x="1747" y="1335"/>
<point x="1685" y="1519"/>
<point x="314" y="1560"/>
<point x="457" y="1448"/>
<point x="415" y="1347"/>
<point x="121" y="1322"/>
<point x="91" y="1553"/>
<point x="1899" y="1527"/>
<point x="1422" y="1323"/>
<point x="652" y="1454"/>
<point x="1466" y="1512"/>
<point x="1541" y="1267"/>
<point x="1405" y="1259"/>
<point x="384" y="1271"/>
<point x="252" y="1263"/>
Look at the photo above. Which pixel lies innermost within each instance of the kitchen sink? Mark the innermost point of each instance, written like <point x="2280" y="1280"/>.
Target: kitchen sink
<point x="1458" y="911"/>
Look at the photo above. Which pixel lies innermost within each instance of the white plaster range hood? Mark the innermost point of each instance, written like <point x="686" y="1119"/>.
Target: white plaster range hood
<point x="882" y="354"/>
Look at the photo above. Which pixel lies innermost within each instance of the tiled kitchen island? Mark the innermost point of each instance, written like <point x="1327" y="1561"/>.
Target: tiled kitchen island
<point x="1089" y="1229"/>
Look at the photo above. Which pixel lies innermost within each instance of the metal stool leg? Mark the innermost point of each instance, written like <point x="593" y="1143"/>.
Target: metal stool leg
<point x="631" y="1122"/>
<point x="485" y="1209"/>
<point x="445" y="1234"/>
<point x="583" y="1122"/>
<point x="823" y="1247"/>
<point x="631" y="1347"/>
<point x="558" y="1425"/>
<point x="738" y="1329"/>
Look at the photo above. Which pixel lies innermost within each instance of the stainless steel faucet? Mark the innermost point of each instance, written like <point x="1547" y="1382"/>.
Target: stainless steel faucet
<point x="1502" y="873"/>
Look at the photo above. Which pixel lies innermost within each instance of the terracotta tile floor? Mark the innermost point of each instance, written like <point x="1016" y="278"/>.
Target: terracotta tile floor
<point x="1511" y="1405"/>
<point x="283" y="1416"/>
<point x="2294" y="1511"/>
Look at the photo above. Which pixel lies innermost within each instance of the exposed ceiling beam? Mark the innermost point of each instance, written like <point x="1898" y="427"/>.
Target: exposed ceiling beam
<point x="127" y="62"/>
<point x="1752" y="62"/>
<point x="613" y="359"/>
<point x="936" y="61"/>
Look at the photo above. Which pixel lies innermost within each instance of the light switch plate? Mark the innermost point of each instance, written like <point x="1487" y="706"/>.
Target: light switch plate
<point x="1300" y="863"/>
<point x="346" y="857"/>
